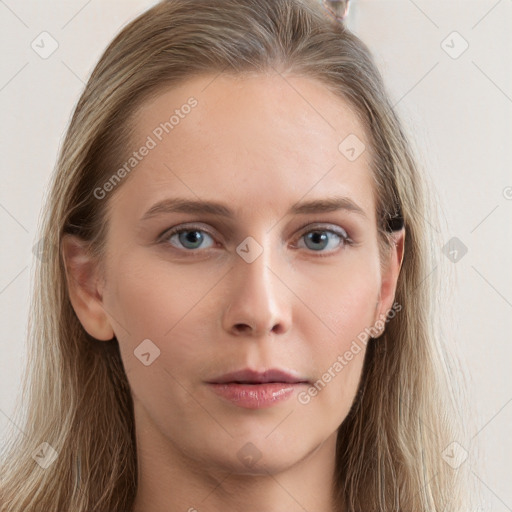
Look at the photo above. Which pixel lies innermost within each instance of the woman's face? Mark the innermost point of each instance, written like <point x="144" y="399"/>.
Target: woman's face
<point x="261" y="281"/>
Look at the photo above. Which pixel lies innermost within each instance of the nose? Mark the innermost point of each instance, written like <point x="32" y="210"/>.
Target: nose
<point x="260" y="302"/>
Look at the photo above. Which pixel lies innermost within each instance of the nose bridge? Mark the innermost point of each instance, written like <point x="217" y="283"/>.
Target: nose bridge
<point x="259" y="300"/>
<point x="257" y="267"/>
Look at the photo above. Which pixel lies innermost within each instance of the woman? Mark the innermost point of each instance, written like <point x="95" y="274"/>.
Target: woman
<point x="234" y="313"/>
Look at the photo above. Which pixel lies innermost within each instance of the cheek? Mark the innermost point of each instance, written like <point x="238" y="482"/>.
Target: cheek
<point x="345" y="309"/>
<point x="152" y="296"/>
<point x="351" y="312"/>
<point x="155" y="304"/>
<point x="148" y="301"/>
<point x="344" y="300"/>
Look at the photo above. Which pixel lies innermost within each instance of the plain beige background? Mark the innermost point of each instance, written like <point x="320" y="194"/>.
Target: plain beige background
<point x="448" y="67"/>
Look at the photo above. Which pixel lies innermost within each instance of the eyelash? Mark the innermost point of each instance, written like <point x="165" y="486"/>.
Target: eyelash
<point x="345" y="237"/>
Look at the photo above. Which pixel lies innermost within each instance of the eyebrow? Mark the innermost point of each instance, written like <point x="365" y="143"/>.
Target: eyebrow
<point x="181" y="205"/>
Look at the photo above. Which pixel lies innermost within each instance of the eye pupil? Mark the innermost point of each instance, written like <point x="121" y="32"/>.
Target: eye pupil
<point x="194" y="237"/>
<point x="317" y="237"/>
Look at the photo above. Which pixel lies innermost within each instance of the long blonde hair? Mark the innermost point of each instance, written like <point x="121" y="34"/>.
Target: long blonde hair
<point x="75" y="392"/>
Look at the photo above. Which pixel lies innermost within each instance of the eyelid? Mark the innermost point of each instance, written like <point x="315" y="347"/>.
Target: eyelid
<point x="186" y="226"/>
<point x="324" y="226"/>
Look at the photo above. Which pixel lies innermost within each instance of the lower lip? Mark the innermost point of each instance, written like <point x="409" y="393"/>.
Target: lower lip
<point x="256" y="396"/>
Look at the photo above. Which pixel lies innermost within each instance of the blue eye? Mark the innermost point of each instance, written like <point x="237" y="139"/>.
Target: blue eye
<point x="319" y="239"/>
<point x="316" y="240"/>
<point x="189" y="238"/>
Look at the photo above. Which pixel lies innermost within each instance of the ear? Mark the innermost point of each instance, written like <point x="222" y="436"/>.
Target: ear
<point x="84" y="286"/>
<point x="390" y="274"/>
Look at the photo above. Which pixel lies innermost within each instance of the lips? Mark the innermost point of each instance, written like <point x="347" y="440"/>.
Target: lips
<point x="250" y="389"/>
<point x="248" y="376"/>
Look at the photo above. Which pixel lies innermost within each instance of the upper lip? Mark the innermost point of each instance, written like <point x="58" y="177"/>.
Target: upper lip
<point x="257" y="377"/>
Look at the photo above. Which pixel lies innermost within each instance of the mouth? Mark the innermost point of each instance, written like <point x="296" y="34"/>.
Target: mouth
<point x="256" y="390"/>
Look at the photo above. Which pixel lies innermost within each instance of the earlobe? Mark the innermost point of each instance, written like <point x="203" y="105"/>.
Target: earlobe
<point x="82" y="276"/>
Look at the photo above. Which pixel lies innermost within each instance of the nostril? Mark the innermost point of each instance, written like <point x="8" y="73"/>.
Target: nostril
<point x="242" y="327"/>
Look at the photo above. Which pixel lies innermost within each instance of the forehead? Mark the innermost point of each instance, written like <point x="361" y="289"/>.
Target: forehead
<point x="256" y="141"/>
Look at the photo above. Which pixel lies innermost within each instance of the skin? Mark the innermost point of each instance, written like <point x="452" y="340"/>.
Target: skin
<point x="258" y="146"/>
